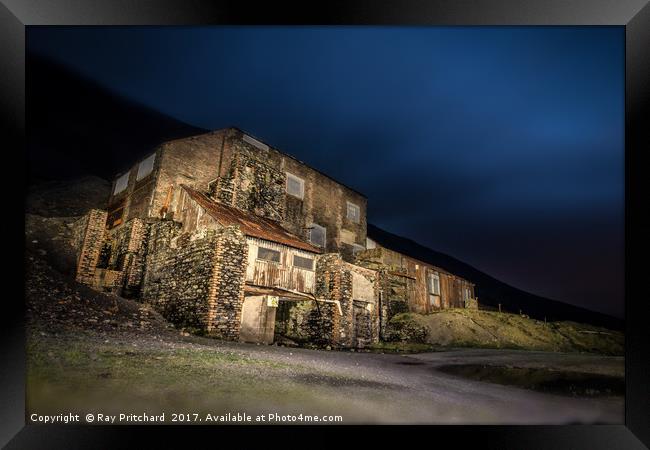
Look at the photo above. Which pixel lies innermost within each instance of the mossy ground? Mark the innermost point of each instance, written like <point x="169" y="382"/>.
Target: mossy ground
<point x="487" y="329"/>
<point x="82" y="375"/>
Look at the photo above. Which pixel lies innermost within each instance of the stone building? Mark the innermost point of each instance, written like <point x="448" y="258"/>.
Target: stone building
<point x="227" y="236"/>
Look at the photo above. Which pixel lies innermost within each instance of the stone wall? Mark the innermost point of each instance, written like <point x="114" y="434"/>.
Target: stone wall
<point x="324" y="201"/>
<point x="291" y="319"/>
<point x="179" y="283"/>
<point x="124" y="251"/>
<point x="307" y="321"/>
<point x="252" y="186"/>
<point x="91" y="240"/>
<point x="108" y="280"/>
<point x="334" y="281"/>
<point x="158" y="252"/>
<point x="197" y="279"/>
<point x="226" y="289"/>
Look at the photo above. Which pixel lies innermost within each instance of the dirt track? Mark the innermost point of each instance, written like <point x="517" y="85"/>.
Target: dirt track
<point x="130" y="373"/>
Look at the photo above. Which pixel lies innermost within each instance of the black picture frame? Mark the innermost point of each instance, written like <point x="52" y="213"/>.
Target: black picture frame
<point x="634" y="15"/>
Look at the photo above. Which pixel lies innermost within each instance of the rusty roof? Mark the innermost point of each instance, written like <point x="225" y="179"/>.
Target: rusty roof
<point x="250" y="224"/>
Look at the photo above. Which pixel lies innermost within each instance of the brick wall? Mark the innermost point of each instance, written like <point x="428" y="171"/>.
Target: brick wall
<point x="135" y="257"/>
<point x="192" y="161"/>
<point x="108" y="280"/>
<point x="92" y="229"/>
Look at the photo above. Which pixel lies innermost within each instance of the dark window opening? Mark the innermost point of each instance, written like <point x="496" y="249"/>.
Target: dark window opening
<point x="115" y="217"/>
<point x="303" y="263"/>
<point x="317" y="235"/>
<point x="268" y="254"/>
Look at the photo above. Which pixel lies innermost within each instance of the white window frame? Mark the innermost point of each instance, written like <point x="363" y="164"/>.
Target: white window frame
<point x="123" y="179"/>
<point x="434" y="283"/>
<point x="143" y="170"/>
<point x="254" y="142"/>
<point x="315" y="225"/>
<point x="354" y="207"/>
<point x="300" y="181"/>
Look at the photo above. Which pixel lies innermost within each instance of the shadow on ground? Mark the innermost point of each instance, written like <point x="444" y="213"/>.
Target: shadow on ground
<point x="575" y="384"/>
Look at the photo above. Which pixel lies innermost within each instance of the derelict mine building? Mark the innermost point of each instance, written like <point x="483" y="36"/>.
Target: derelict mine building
<point x="225" y="235"/>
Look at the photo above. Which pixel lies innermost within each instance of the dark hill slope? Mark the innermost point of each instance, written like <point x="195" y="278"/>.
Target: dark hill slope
<point x="492" y="291"/>
<point x="76" y="127"/>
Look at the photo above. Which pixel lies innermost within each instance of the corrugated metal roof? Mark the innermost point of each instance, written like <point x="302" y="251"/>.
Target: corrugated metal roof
<point x="250" y="224"/>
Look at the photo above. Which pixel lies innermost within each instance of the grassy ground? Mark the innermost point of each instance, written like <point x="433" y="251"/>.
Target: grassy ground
<point x="487" y="329"/>
<point x="84" y="374"/>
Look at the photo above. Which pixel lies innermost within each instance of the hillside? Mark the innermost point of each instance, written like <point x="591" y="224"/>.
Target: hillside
<point x="79" y="128"/>
<point x="488" y="329"/>
<point x="492" y="292"/>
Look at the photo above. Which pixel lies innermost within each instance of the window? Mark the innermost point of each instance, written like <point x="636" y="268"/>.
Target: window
<point x="121" y="183"/>
<point x="145" y="167"/>
<point x="295" y="186"/>
<point x="115" y="215"/>
<point x="303" y="263"/>
<point x="317" y="235"/>
<point x="434" y="283"/>
<point x="467" y="294"/>
<point x="354" y="213"/>
<point x="268" y="254"/>
<point x="255" y="142"/>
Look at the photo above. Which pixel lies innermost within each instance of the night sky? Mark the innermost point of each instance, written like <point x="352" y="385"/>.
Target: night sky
<point x="501" y="146"/>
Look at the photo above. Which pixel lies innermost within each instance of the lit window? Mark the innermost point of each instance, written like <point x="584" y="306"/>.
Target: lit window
<point x="354" y="213"/>
<point x="303" y="263"/>
<point x="121" y="183"/>
<point x="145" y="167"/>
<point x="116" y="216"/>
<point x="317" y="235"/>
<point x="434" y="283"/>
<point x="295" y="186"/>
<point x="268" y="254"/>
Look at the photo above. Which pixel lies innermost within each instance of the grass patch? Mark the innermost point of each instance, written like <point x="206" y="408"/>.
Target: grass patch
<point x="488" y="329"/>
<point x="81" y="376"/>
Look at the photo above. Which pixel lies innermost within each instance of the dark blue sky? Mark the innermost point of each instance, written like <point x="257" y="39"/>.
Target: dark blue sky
<point x="501" y="146"/>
